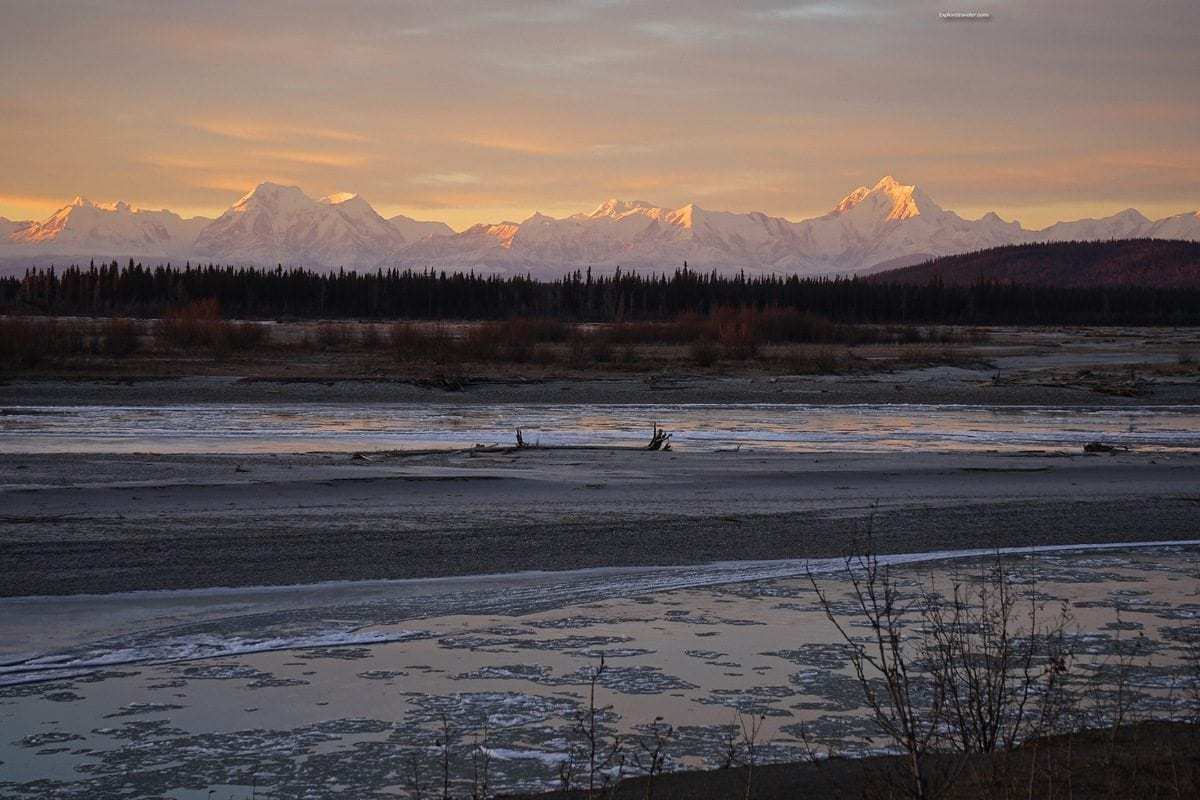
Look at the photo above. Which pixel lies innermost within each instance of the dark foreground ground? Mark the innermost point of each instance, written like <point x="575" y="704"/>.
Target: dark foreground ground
<point x="1150" y="760"/>
<point x="104" y="523"/>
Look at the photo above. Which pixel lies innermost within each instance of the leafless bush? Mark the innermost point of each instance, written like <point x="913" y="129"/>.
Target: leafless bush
<point x="981" y="672"/>
<point x="334" y="336"/>
<point x="445" y="742"/>
<point x="481" y="762"/>
<point x="199" y="326"/>
<point x="595" y="751"/>
<point x="751" y="730"/>
<point x="587" y="349"/>
<point x="121" y="337"/>
<point x="650" y="757"/>
<point x="907" y="707"/>
<point x="192" y="326"/>
<point x="992" y="657"/>
<point x="704" y="352"/>
<point x="413" y="342"/>
<point x="24" y="342"/>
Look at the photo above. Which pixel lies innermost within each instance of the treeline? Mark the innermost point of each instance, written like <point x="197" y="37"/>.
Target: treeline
<point x="134" y="290"/>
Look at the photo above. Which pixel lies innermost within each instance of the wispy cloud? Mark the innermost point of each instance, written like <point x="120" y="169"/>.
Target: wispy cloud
<point x="313" y="158"/>
<point x="240" y="183"/>
<point x="447" y="179"/>
<point x="511" y="144"/>
<point x="619" y="150"/>
<point x="274" y="132"/>
<point x="827" y="10"/>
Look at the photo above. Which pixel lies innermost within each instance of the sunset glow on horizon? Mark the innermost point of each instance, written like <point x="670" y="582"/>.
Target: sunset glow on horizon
<point x="469" y="113"/>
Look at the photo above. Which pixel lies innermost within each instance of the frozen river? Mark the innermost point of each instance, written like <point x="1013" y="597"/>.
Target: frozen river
<point x="321" y="691"/>
<point x="284" y="428"/>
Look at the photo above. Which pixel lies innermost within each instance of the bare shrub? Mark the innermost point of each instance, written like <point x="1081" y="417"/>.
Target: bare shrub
<point x="992" y="656"/>
<point x="595" y="752"/>
<point x="121" y="337"/>
<point x="24" y="342"/>
<point x="587" y="349"/>
<point x="242" y="335"/>
<point x="980" y="673"/>
<point x="191" y="327"/>
<point x="737" y="339"/>
<point x="704" y="352"/>
<point x="414" y="342"/>
<point x="906" y="706"/>
<point x="650" y="757"/>
<point x="199" y="326"/>
<point x="333" y="336"/>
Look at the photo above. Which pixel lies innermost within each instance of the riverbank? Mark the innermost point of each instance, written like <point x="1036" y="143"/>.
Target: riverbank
<point x="108" y="523"/>
<point x="994" y="366"/>
<point x="1151" y="759"/>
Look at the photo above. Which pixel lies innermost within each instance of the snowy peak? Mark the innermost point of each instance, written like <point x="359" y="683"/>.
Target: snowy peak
<point x="282" y="225"/>
<point x="904" y="198"/>
<point x="684" y="216"/>
<point x="271" y="195"/>
<point x="887" y="199"/>
<point x="851" y="200"/>
<point x="618" y="208"/>
<point x="886" y="223"/>
<point x="86" y="228"/>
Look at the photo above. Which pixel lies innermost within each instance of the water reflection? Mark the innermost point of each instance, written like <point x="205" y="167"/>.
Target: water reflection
<point x="863" y="428"/>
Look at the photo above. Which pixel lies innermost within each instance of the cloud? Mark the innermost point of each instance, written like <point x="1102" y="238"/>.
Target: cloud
<point x="238" y="183"/>
<point x="313" y="158"/>
<point x="806" y="11"/>
<point x="447" y="179"/>
<point x="274" y="132"/>
<point x="619" y="150"/>
<point x="509" y="144"/>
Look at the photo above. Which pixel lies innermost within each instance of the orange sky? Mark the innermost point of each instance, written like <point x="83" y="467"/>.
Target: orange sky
<point x="479" y="111"/>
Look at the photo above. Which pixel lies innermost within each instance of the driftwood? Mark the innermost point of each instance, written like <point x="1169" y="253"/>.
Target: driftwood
<point x="661" y="440"/>
<point x="1101" y="447"/>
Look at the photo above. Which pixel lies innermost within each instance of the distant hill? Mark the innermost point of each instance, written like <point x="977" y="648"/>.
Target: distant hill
<point x="1156" y="263"/>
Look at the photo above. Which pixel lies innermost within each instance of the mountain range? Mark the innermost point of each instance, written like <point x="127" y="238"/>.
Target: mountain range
<point x="871" y="229"/>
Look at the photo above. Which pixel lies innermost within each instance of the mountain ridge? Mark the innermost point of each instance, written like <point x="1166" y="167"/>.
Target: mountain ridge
<point x="871" y="228"/>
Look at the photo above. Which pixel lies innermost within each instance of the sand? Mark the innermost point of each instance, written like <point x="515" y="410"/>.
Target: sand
<point x="109" y="523"/>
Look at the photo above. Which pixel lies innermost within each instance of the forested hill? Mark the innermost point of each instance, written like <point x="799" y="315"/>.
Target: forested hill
<point x="1146" y="263"/>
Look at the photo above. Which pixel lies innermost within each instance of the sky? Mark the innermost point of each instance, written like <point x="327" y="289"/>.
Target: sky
<point x="485" y="111"/>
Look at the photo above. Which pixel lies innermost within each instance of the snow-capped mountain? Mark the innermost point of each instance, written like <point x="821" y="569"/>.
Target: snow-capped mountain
<point x="8" y="227"/>
<point x="272" y="224"/>
<point x="1178" y="226"/>
<point x="872" y="228"/>
<point x="869" y="227"/>
<point x="415" y="229"/>
<point x="891" y="222"/>
<point x="85" y="228"/>
<point x="280" y="224"/>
